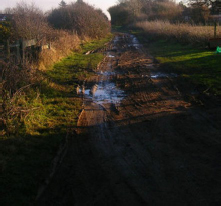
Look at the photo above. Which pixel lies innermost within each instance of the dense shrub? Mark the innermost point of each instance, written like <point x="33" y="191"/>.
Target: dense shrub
<point x="129" y="11"/>
<point x="166" y="10"/>
<point x="119" y="15"/>
<point x="81" y="19"/>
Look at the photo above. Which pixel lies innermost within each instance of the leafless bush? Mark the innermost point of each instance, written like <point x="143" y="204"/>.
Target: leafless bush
<point x="29" y="22"/>
<point x="17" y="76"/>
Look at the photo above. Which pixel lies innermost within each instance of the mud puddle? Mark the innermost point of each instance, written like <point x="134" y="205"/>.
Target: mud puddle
<point x="105" y="92"/>
<point x="135" y="42"/>
<point x="110" y="55"/>
<point x="105" y="89"/>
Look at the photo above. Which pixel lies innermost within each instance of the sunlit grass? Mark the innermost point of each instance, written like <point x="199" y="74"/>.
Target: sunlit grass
<point x="93" y="45"/>
<point x="78" y="65"/>
<point x="75" y="66"/>
<point x="201" y="66"/>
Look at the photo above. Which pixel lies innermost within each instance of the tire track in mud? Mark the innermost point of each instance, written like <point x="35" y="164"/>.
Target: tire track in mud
<point x="2" y="132"/>
<point x="145" y="145"/>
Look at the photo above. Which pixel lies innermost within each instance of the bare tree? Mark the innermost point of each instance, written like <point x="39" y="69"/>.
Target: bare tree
<point x="135" y="7"/>
<point x="200" y="10"/>
<point x="62" y="4"/>
<point x="29" y="22"/>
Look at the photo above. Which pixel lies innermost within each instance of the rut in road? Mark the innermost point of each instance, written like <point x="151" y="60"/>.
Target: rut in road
<point x="1" y="102"/>
<point x="138" y="141"/>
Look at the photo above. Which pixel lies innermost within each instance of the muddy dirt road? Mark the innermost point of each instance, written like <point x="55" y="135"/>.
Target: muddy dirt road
<point x="138" y="141"/>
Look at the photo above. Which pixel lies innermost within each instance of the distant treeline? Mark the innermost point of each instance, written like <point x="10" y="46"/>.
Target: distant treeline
<point x="81" y="18"/>
<point x="26" y="21"/>
<point x="129" y="11"/>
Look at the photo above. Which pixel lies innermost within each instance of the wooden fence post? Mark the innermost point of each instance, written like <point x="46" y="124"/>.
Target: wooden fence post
<point x="7" y="49"/>
<point x="18" y="57"/>
<point x="22" y="51"/>
<point x="215" y="28"/>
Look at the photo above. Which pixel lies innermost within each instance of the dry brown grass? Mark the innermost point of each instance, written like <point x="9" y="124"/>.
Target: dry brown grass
<point x="184" y="33"/>
<point x="61" y="47"/>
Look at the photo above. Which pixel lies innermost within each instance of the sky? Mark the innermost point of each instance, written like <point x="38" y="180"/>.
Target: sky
<point x="48" y="4"/>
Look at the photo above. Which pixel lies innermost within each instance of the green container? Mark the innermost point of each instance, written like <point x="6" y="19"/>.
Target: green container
<point x="218" y="50"/>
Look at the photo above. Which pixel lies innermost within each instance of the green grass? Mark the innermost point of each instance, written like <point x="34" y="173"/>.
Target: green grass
<point x="200" y="66"/>
<point x="94" y="45"/>
<point x="76" y="66"/>
<point x="25" y="159"/>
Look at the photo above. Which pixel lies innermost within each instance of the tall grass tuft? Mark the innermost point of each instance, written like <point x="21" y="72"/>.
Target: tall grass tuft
<point x="63" y="44"/>
<point x="183" y="33"/>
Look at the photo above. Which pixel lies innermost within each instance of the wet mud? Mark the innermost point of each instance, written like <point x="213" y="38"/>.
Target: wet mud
<point x="138" y="140"/>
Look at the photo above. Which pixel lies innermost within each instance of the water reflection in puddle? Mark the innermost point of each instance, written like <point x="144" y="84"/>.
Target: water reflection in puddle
<point x="116" y="39"/>
<point x="162" y="75"/>
<point x="106" y="73"/>
<point x="106" y="92"/>
<point x="135" y="42"/>
<point x="149" y="65"/>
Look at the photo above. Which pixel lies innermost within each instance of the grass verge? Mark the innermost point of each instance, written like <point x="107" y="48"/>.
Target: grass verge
<point x="25" y="158"/>
<point x="201" y="66"/>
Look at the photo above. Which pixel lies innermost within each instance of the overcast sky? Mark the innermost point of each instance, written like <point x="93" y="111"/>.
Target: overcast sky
<point x="48" y="4"/>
